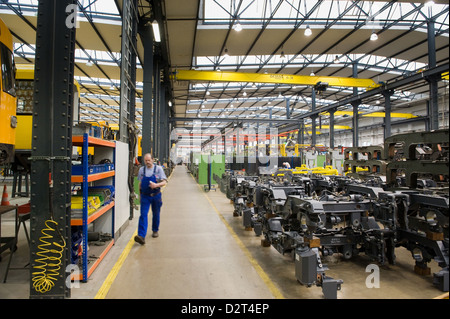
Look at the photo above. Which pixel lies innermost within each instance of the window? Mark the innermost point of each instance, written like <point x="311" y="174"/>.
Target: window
<point x="8" y="70"/>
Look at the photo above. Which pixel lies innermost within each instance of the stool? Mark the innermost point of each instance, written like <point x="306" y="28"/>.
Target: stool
<point x="17" y="187"/>
<point x="23" y="213"/>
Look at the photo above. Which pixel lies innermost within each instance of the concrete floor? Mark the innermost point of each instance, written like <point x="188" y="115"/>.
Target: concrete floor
<point x="203" y="252"/>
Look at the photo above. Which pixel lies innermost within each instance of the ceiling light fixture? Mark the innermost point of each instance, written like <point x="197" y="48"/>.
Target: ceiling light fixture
<point x="89" y="62"/>
<point x="282" y="56"/>
<point x="373" y="36"/>
<point x="336" y="59"/>
<point x="308" y="31"/>
<point x="156" y="33"/>
<point x="237" y="27"/>
<point x="429" y="4"/>
<point x="225" y="54"/>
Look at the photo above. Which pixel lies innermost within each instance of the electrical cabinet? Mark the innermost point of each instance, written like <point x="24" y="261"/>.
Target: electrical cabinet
<point x="208" y="166"/>
<point x="95" y="179"/>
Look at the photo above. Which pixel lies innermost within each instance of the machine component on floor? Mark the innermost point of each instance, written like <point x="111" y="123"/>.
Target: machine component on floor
<point x="311" y="215"/>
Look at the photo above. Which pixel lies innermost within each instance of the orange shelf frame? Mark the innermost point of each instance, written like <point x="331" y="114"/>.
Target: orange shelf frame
<point x="92" y="177"/>
<point x="77" y="140"/>
<point x="94" y="265"/>
<point x="94" y="216"/>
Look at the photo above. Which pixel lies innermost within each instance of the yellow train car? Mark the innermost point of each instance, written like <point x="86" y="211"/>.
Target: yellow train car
<point x="8" y="119"/>
<point x="24" y="89"/>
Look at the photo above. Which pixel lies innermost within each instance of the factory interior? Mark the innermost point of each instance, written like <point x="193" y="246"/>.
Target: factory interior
<point x="218" y="157"/>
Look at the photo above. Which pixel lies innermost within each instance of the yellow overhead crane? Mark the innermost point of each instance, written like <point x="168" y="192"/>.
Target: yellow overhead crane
<point x="444" y="76"/>
<point x="374" y="114"/>
<point x="219" y="76"/>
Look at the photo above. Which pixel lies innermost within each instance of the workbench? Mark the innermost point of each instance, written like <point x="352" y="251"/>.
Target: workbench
<point x="8" y="242"/>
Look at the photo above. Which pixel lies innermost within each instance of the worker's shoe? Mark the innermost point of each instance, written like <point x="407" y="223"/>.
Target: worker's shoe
<point x="139" y="240"/>
<point x="155" y="234"/>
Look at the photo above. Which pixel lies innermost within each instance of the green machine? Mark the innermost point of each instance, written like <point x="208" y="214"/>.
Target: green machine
<point x="208" y="166"/>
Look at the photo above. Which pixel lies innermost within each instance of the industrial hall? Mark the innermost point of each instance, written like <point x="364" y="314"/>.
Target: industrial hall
<point x="224" y="155"/>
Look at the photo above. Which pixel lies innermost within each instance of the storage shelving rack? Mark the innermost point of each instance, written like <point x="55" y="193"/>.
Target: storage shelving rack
<point x="86" y="141"/>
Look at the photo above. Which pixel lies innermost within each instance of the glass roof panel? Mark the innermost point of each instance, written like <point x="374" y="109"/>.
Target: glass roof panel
<point x="371" y="14"/>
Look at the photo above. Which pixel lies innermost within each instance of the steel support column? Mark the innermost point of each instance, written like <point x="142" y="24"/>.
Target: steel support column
<point x="164" y="124"/>
<point x="355" y="105"/>
<point x="433" y="80"/>
<point x="301" y="132"/>
<point x="355" y="121"/>
<point x="270" y="117"/>
<point x="288" y="112"/>
<point x="52" y="149"/>
<point x="156" y="98"/>
<point x="128" y="68"/>
<point x="332" y="128"/>
<point x="387" y="112"/>
<point x="147" y="40"/>
<point x="313" y="118"/>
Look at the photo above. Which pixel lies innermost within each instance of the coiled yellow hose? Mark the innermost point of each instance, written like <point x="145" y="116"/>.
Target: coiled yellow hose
<point x="50" y="259"/>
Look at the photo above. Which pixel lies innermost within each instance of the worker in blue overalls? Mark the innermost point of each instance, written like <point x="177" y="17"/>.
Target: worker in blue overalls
<point x="151" y="179"/>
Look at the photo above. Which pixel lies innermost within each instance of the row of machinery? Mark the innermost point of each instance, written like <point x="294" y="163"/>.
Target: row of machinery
<point x="400" y="198"/>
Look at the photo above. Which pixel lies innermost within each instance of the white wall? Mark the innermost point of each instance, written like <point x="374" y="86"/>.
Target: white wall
<point x="122" y="206"/>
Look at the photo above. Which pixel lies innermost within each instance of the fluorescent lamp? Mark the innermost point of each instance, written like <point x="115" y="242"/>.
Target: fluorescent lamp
<point x="156" y="33"/>
<point x="308" y="31"/>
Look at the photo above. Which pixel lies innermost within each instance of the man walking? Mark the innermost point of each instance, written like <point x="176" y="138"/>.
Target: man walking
<point x="151" y="179"/>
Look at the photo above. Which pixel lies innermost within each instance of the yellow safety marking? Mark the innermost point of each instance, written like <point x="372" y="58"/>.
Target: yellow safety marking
<point x="273" y="289"/>
<point x="104" y="289"/>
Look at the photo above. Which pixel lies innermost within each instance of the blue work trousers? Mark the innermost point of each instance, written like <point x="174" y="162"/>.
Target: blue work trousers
<point x="146" y="201"/>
